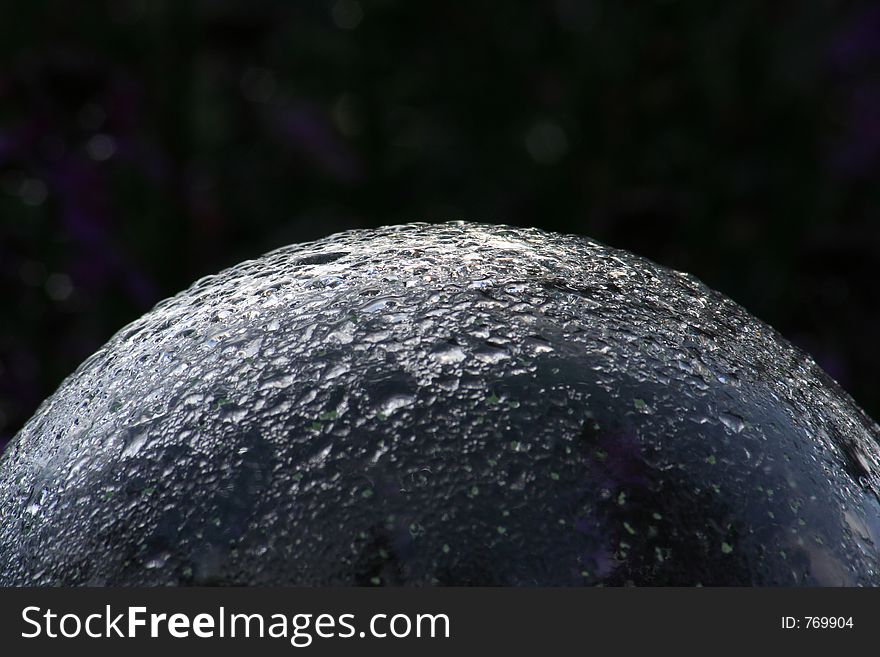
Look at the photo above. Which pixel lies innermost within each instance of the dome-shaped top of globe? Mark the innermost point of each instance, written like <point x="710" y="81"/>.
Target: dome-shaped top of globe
<point x="444" y="404"/>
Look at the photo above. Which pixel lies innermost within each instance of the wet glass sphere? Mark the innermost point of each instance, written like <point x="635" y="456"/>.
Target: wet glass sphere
<point x="455" y="404"/>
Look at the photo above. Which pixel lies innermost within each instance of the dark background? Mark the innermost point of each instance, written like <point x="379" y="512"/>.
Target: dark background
<point x="145" y="144"/>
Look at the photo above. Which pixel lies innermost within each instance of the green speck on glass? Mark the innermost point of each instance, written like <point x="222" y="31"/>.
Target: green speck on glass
<point x="328" y="415"/>
<point x="711" y="459"/>
<point x="726" y="548"/>
<point x="446" y="548"/>
<point x="628" y="527"/>
<point x="502" y="530"/>
<point x="492" y="399"/>
<point x="600" y="454"/>
<point x="554" y="476"/>
<point x="640" y="404"/>
<point x="149" y="491"/>
<point x="375" y="581"/>
<point x="315" y="426"/>
<point x="621" y="499"/>
<point x="656" y="516"/>
<point x="474" y="491"/>
<point x="368" y="492"/>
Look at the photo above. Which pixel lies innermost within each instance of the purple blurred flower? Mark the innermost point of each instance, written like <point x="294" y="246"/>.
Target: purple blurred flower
<point x="311" y="133"/>
<point x="854" y="56"/>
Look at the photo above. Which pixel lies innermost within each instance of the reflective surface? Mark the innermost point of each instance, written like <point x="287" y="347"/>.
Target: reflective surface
<point x="455" y="404"/>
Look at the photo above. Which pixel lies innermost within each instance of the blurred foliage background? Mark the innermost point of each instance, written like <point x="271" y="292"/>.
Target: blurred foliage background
<point x="145" y="144"/>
